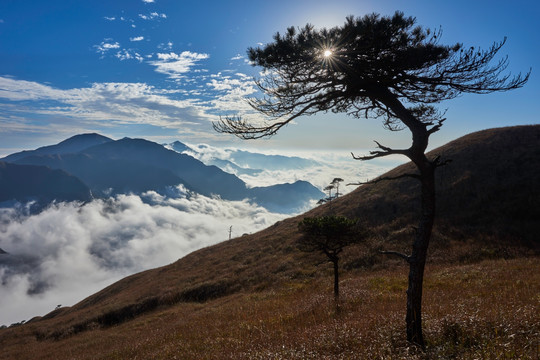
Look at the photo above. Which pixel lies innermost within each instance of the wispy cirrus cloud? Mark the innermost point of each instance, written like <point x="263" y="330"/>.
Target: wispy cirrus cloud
<point x="136" y="38"/>
<point x="107" y="104"/>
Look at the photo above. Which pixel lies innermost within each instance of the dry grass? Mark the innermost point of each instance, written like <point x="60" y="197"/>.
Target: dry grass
<point x="257" y="297"/>
<point x="486" y="310"/>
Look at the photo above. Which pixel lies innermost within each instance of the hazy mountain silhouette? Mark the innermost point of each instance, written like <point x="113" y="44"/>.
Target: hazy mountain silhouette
<point x="109" y="176"/>
<point x="206" y="180"/>
<point x="231" y="167"/>
<point x="277" y="197"/>
<point x="178" y="146"/>
<point x="137" y="165"/>
<point x="241" y="162"/>
<point x="74" y="144"/>
<point x="27" y="182"/>
<point x="269" y="162"/>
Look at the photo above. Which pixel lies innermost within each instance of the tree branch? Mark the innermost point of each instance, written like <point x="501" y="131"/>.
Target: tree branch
<point x="387" y="178"/>
<point x="385" y="152"/>
<point x="438" y="163"/>
<point x="407" y="258"/>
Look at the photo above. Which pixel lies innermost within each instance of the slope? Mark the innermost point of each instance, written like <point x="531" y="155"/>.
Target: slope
<point x="503" y="162"/>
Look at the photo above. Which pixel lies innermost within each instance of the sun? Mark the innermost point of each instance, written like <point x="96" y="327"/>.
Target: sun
<point x="327" y="53"/>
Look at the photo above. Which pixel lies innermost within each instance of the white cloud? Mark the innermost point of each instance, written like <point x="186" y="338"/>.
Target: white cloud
<point x="234" y="91"/>
<point x="109" y="103"/>
<point x="148" y="1"/>
<point x="106" y="46"/>
<point x="326" y="166"/>
<point x="153" y="16"/>
<point x="175" y="65"/>
<point x="128" y="55"/>
<point x="110" y="18"/>
<point x="136" y="38"/>
<point x="69" y="251"/>
<point x="166" y="46"/>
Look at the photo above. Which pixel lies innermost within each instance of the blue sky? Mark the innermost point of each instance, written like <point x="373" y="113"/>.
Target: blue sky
<point x="164" y="69"/>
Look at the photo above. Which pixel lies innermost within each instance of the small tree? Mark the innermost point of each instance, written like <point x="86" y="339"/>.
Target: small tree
<point x="329" y="188"/>
<point x="329" y="235"/>
<point x="383" y="67"/>
<point x="336" y="182"/>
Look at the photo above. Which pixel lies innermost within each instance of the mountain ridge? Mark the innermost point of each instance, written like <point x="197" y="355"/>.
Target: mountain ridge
<point x="137" y="165"/>
<point x="73" y="144"/>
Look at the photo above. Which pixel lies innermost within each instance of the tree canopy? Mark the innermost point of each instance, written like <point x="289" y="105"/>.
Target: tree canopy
<point x="370" y="67"/>
<point x="329" y="235"/>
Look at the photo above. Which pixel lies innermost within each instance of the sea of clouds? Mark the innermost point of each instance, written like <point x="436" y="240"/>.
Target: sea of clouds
<point x="70" y="250"/>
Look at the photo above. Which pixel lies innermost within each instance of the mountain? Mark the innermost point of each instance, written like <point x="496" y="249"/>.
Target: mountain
<point x="269" y="162"/>
<point x="178" y="146"/>
<point x="258" y="295"/>
<point x="74" y="144"/>
<point x="137" y="165"/>
<point x="280" y="197"/>
<point x="106" y="176"/>
<point x="28" y="182"/>
<point x="232" y="168"/>
<point x="489" y="188"/>
<point x="243" y="162"/>
<point x="206" y="180"/>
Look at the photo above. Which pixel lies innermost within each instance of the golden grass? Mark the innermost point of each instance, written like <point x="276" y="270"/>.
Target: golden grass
<point x="263" y="299"/>
<point x="486" y="310"/>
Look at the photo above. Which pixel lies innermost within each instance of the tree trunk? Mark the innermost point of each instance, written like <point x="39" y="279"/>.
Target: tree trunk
<point x="417" y="260"/>
<point x="336" y="279"/>
<point x="426" y="168"/>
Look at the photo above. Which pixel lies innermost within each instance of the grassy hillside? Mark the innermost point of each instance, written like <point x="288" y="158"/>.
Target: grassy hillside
<point x="257" y="297"/>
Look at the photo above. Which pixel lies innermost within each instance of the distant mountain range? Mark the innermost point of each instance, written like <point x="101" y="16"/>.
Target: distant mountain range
<point x="95" y="163"/>
<point x="243" y="162"/>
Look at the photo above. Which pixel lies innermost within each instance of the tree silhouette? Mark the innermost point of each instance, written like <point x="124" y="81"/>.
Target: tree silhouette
<point x="329" y="235"/>
<point x="336" y="182"/>
<point x="329" y="188"/>
<point x="382" y="67"/>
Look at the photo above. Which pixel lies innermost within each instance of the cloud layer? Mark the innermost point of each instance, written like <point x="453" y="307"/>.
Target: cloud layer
<point x="325" y="167"/>
<point x="32" y="106"/>
<point x="70" y="251"/>
<point x="175" y="65"/>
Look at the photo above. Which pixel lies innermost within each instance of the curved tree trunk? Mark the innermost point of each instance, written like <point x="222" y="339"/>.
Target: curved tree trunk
<point x="426" y="168"/>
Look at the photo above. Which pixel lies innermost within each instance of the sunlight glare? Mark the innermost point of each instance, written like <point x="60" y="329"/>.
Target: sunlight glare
<point x="327" y="53"/>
